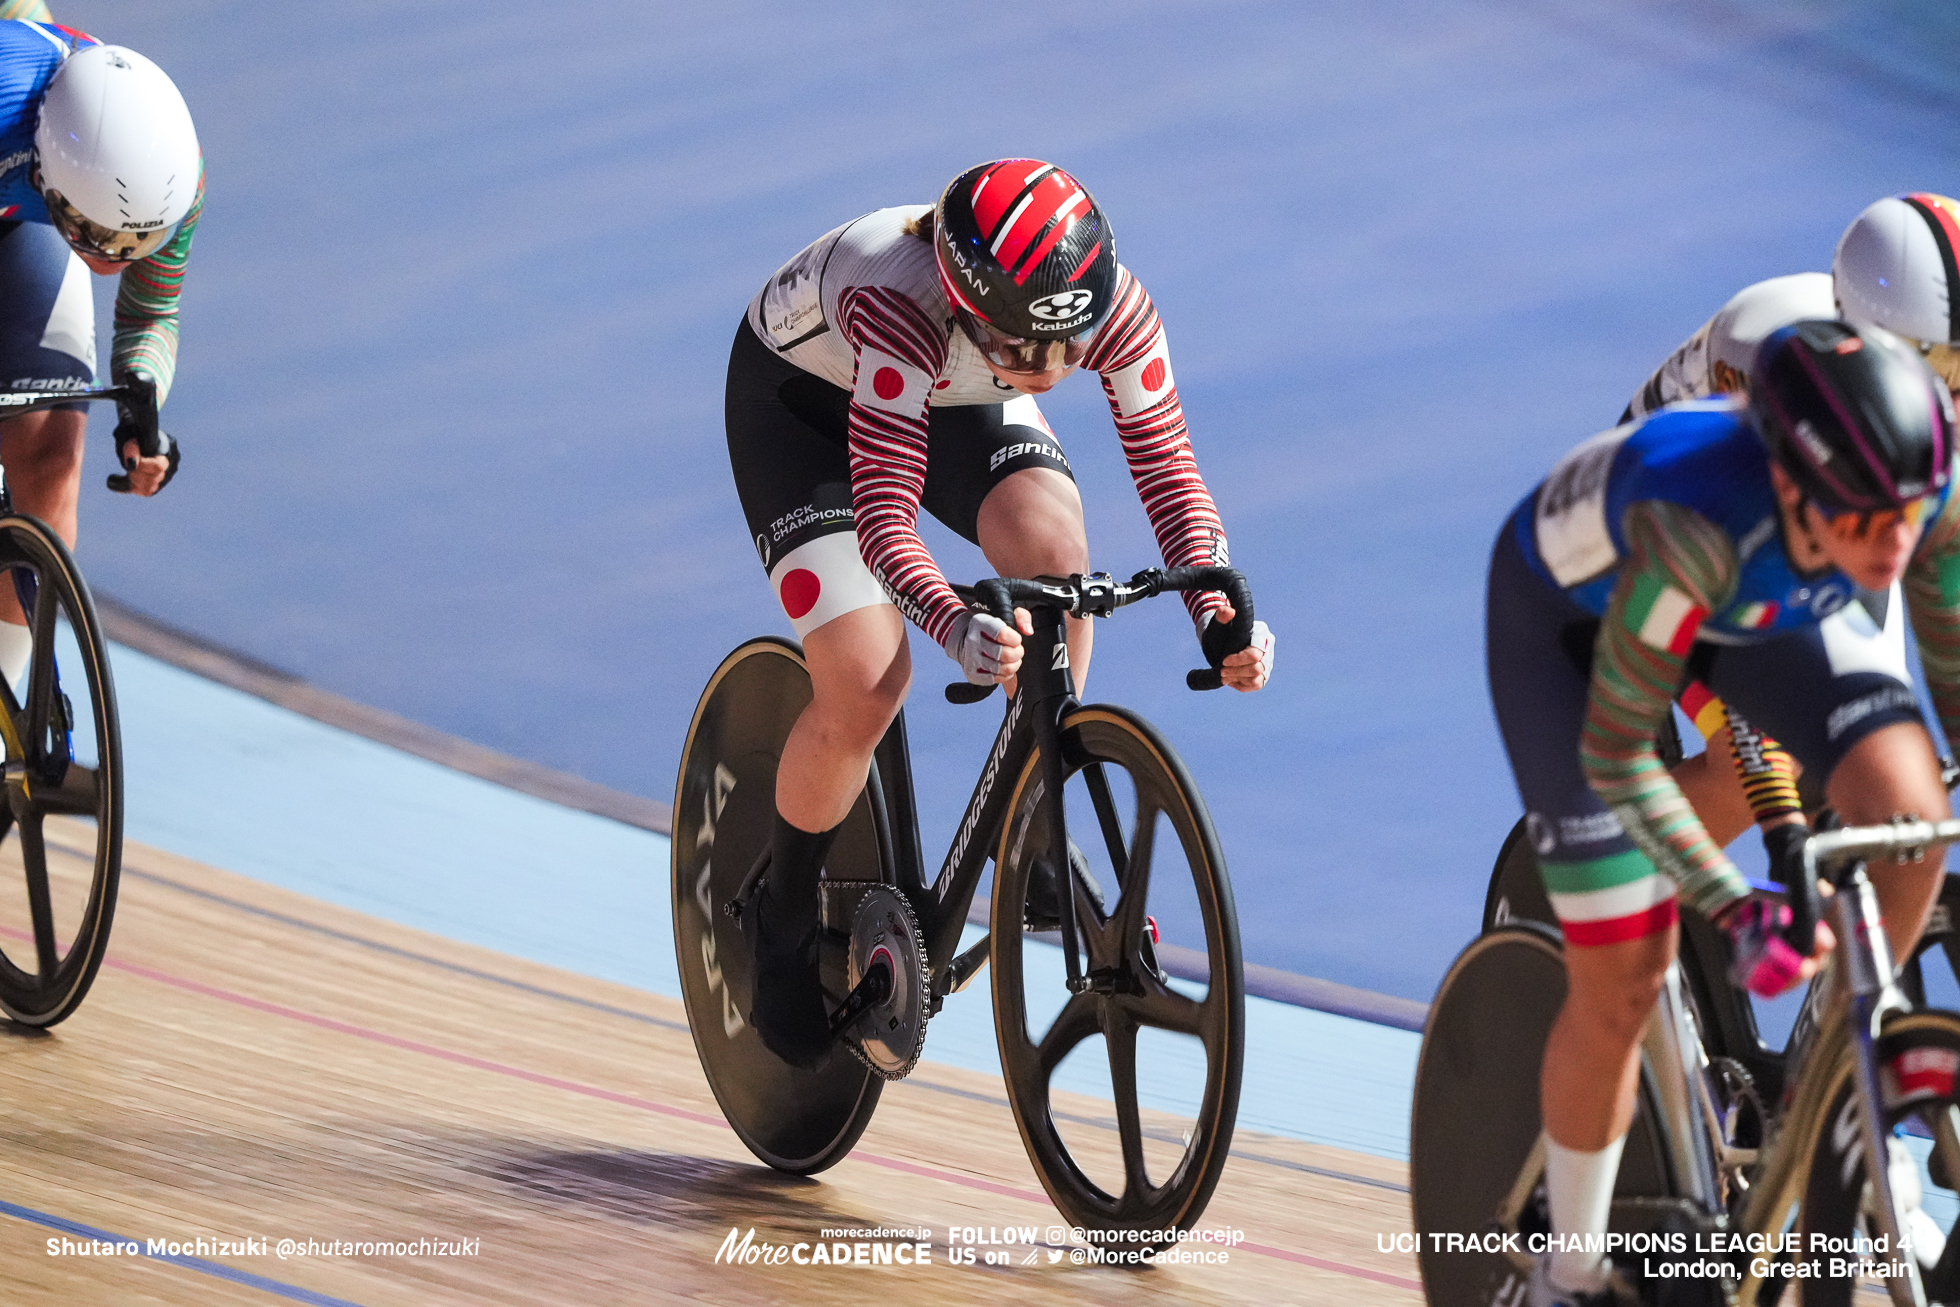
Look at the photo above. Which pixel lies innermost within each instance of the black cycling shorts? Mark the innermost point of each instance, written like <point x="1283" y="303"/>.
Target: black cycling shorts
<point x="788" y="443"/>
<point x="47" y="312"/>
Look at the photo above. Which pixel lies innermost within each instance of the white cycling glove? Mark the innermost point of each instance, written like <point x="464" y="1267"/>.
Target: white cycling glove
<point x="974" y="643"/>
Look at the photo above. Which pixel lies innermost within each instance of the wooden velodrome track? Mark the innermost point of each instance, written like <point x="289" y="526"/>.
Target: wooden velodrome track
<point x="256" y="1064"/>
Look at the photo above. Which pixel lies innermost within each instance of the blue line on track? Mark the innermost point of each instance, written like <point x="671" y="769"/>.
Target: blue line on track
<point x="277" y="1288"/>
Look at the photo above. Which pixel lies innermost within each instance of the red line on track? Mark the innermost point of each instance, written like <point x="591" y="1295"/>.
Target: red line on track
<point x="1381" y="1277"/>
<point x="664" y="1109"/>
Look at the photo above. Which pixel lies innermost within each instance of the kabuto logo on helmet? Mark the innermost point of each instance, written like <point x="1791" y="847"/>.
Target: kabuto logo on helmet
<point x="1062" y="305"/>
<point x="1018" y="240"/>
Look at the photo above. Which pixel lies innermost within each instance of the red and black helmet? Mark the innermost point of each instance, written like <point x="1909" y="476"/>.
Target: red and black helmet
<point x="1025" y="256"/>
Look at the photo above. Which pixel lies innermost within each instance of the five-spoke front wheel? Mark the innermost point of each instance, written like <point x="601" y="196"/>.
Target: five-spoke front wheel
<point x="1160" y="981"/>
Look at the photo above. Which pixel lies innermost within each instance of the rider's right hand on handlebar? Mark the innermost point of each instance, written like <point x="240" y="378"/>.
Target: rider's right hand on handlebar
<point x="1247" y="668"/>
<point x="987" y="649"/>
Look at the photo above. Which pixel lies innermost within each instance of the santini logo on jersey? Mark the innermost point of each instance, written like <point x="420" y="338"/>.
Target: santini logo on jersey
<point x="12" y="161"/>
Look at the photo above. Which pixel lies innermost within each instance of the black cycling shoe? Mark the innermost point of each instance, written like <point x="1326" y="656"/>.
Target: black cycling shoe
<point x="1043" y="910"/>
<point x="786" y="1004"/>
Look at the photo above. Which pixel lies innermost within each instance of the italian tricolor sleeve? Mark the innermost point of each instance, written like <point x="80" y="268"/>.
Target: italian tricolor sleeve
<point x="1678" y="567"/>
<point x="146" y="305"/>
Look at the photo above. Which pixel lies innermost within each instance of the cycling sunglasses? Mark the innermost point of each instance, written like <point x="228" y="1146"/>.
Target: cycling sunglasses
<point x="1016" y="354"/>
<point x="93" y="239"/>
<point x="1853" y="524"/>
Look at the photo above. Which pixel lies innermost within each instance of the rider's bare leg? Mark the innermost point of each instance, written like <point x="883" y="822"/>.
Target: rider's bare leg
<point x="1591" y="1066"/>
<point x="42" y="453"/>
<point x="1892" y="771"/>
<point x="1587" y="1084"/>
<point x="1031" y="525"/>
<point x="860" y="667"/>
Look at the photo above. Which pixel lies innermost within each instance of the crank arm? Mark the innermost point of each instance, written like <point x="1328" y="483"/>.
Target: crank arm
<point x="874" y="989"/>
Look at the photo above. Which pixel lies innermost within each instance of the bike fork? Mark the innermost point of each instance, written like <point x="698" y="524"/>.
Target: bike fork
<point x="1047" y="662"/>
<point x="1869" y="972"/>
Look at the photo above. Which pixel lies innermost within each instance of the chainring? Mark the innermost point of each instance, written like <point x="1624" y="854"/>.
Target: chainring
<point x="890" y="1035"/>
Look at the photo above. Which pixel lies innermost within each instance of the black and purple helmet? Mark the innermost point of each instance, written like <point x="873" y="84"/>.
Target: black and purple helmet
<point x="1853" y="414"/>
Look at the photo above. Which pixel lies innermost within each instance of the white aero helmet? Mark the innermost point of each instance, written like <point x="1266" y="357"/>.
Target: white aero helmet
<point x="1895" y="268"/>
<point x="118" y="155"/>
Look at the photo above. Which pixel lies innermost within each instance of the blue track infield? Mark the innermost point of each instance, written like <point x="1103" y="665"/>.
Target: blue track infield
<point x="455" y="328"/>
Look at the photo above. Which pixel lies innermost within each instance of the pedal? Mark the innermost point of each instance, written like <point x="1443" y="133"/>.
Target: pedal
<point x="1151" y="939"/>
<point x="734" y="907"/>
<point x="961" y="970"/>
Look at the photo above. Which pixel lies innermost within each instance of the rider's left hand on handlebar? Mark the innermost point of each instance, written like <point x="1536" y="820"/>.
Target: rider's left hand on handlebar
<point x="1249" y="668"/>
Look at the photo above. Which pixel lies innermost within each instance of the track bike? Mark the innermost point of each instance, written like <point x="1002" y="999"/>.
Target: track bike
<point x="63" y="753"/>
<point x="889" y="951"/>
<point x="1727" y="1019"/>
<point x="1708" y="1217"/>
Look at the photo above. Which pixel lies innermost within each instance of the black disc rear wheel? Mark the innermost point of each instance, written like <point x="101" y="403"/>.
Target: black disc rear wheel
<point x="1175" y="1004"/>
<point x="724" y="809"/>
<point x="1474" y="1165"/>
<point x="64" y="802"/>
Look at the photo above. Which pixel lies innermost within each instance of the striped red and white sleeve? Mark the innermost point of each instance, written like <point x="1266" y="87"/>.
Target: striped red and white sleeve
<point x="900" y="349"/>
<point x="1135" y="364"/>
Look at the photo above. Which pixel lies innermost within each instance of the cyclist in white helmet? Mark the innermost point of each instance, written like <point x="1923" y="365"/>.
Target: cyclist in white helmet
<point x="99" y="172"/>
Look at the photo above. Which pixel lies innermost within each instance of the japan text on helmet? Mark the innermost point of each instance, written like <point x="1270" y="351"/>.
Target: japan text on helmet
<point x="1852" y="414"/>
<point x="1895" y="268"/>
<point x="1027" y="261"/>
<point x="118" y="158"/>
